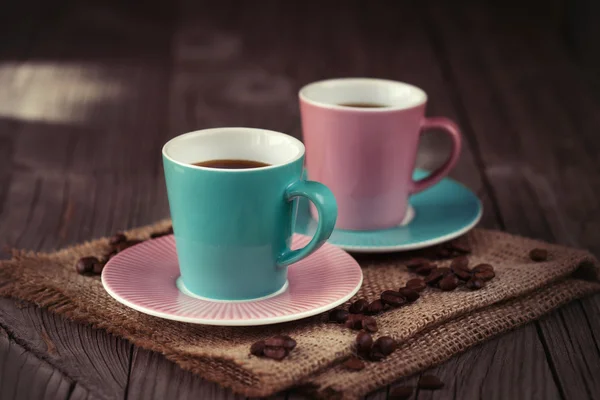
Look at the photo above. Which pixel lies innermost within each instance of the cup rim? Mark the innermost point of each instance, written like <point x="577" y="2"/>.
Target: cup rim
<point x="303" y="97"/>
<point x="211" y="131"/>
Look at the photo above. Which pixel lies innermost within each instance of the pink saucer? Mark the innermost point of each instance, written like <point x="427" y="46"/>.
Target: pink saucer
<point x="144" y="277"/>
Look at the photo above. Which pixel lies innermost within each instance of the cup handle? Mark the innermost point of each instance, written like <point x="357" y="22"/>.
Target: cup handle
<point x="324" y="201"/>
<point x="452" y="130"/>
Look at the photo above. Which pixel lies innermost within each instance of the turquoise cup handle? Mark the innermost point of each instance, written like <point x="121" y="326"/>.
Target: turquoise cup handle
<point x="326" y="206"/>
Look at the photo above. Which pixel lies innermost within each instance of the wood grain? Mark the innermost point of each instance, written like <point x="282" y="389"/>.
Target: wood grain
<point x="23" y="376"/>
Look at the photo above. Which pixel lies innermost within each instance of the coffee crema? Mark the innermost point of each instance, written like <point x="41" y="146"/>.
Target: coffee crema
<point x="231" y="164"/>
<point x="363" y="105"/>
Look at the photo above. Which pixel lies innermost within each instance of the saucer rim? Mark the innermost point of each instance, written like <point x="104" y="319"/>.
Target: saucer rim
<point x="413" y="246"/>
<point x="238" y="322"/>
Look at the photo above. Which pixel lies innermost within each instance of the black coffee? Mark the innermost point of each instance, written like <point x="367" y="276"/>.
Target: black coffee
<point x="231" y="164"/>
<point x="363" y="105"/>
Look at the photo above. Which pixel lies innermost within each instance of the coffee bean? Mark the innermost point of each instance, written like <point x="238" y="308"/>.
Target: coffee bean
<point x="475" y="284"/>
<point x="127" y="244"/>
<point x="338" y="315"/>
<point x="107" y="256"/>
<point x="354" y="321"/>
<point x="416" y="284"/>
<point x="448" y="283"/>
<point x="369" y="324"/>
<point x="392" y="298"/>
<point x="364" y="342"/>
<point x="359" y="306"/>
<point x="275" y="341"/>
<point x="409" y="294"/>
<point x="85" y="265"/>
<point x="117" y="238"/>
<point x="354" y="364"/>
<point x="484" y="275"/>
<point x="538" y="255"/>
<point x="462" y="274"/>
<point x="445" y="271"/>
<point x="289" y="344"/>
<point x="98" y="267"/>
<point x="443" y="252"/>
<point x="257" y="348"/>
<point x="481" y="268"/>
<point x="375" y="307"/>
<point x="460" y="247"/>
<point x="434" y="277"/>
<point x="275" y="353"/>
<point x="461" y="262"/>
<point x="400" y="393"/>
<point x="430" y="382"/>
<point x="416" y="263"/>
<point x="376" y="355"/>
<point x="385" y="344"/>
<point x="425" y="269"/>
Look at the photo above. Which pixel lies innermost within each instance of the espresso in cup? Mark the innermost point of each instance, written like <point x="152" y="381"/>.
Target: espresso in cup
<point x="231" y="164"/>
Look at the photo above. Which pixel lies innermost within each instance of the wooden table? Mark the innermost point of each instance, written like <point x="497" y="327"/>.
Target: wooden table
<point x="90" y="92"/>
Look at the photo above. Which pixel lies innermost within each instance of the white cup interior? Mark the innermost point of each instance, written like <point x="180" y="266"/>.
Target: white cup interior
<point x="334" y="93"/>
<point x="250" y="144"/>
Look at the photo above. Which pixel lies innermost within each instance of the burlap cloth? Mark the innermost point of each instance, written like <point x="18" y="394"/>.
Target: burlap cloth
<point x="436" y="327"/>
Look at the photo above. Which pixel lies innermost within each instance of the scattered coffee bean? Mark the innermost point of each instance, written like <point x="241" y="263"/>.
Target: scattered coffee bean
<point x="392" y="298"/>
<point x="481" y="268"/>
<point x="364" y="342"/>
<point x="98" y="267"/>
<point x="338" y="315"/>
<point x="359" y="306"/>
<point x="106" y="257"/>
<point x="275" y="341"/>
<point x="354" y="364"/>
<point x="369" y="324"/>
<point x="275" y="353"/>
<point x="375" y="307"/>
<point x="385" y="345"/>
<point x="445" y="271"/>
<point x="448" y="283"/>
<point x="462" y="274"/>
<point x="376" y="355"/>
<point x="400" y="393"/>
<point x="258" y="348"/>
<point x="475" y="284"/>
<point x="425" y="269"/>
<point x="460" y="247"/>
<point x="443" y="252"/>
<point x="126" y="244"/>
<point x="409" y="294"/>
<point x="354" y="321"/>
<point x="430" y="382"/>
<point x="288" y="343"/>
<point x="85" y="265"/>
<point x="461" y="262"/>
<point x="117" y="238"/>
<point x="416" y="263"/>
<point x="538" y="255"/>
<point x="434" y="277"/>
<point x="484" y="275"/>
<point x="416" y="284"/>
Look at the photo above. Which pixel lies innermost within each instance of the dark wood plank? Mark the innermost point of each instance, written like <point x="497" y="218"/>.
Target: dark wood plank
<point x="23" y="376"/>
<point x="512" y="366"/>
<point x="96" y="360"/>
<point x="154" y="377"/>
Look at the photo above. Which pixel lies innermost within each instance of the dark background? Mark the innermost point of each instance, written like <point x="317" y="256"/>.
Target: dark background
<point x="89" y="92"/>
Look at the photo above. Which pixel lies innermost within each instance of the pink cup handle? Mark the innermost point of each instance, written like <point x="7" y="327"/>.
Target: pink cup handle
<point x="452" y="130"/>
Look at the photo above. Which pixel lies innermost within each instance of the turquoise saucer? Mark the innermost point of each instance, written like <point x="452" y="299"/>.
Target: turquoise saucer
<point x="441" y="213"/>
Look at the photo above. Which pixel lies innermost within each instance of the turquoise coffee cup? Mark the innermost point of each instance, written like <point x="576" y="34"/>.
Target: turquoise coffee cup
<point x="233" y="227"/>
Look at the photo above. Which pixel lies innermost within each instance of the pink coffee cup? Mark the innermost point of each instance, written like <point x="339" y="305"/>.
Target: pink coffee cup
<point x="366" y="155"/>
